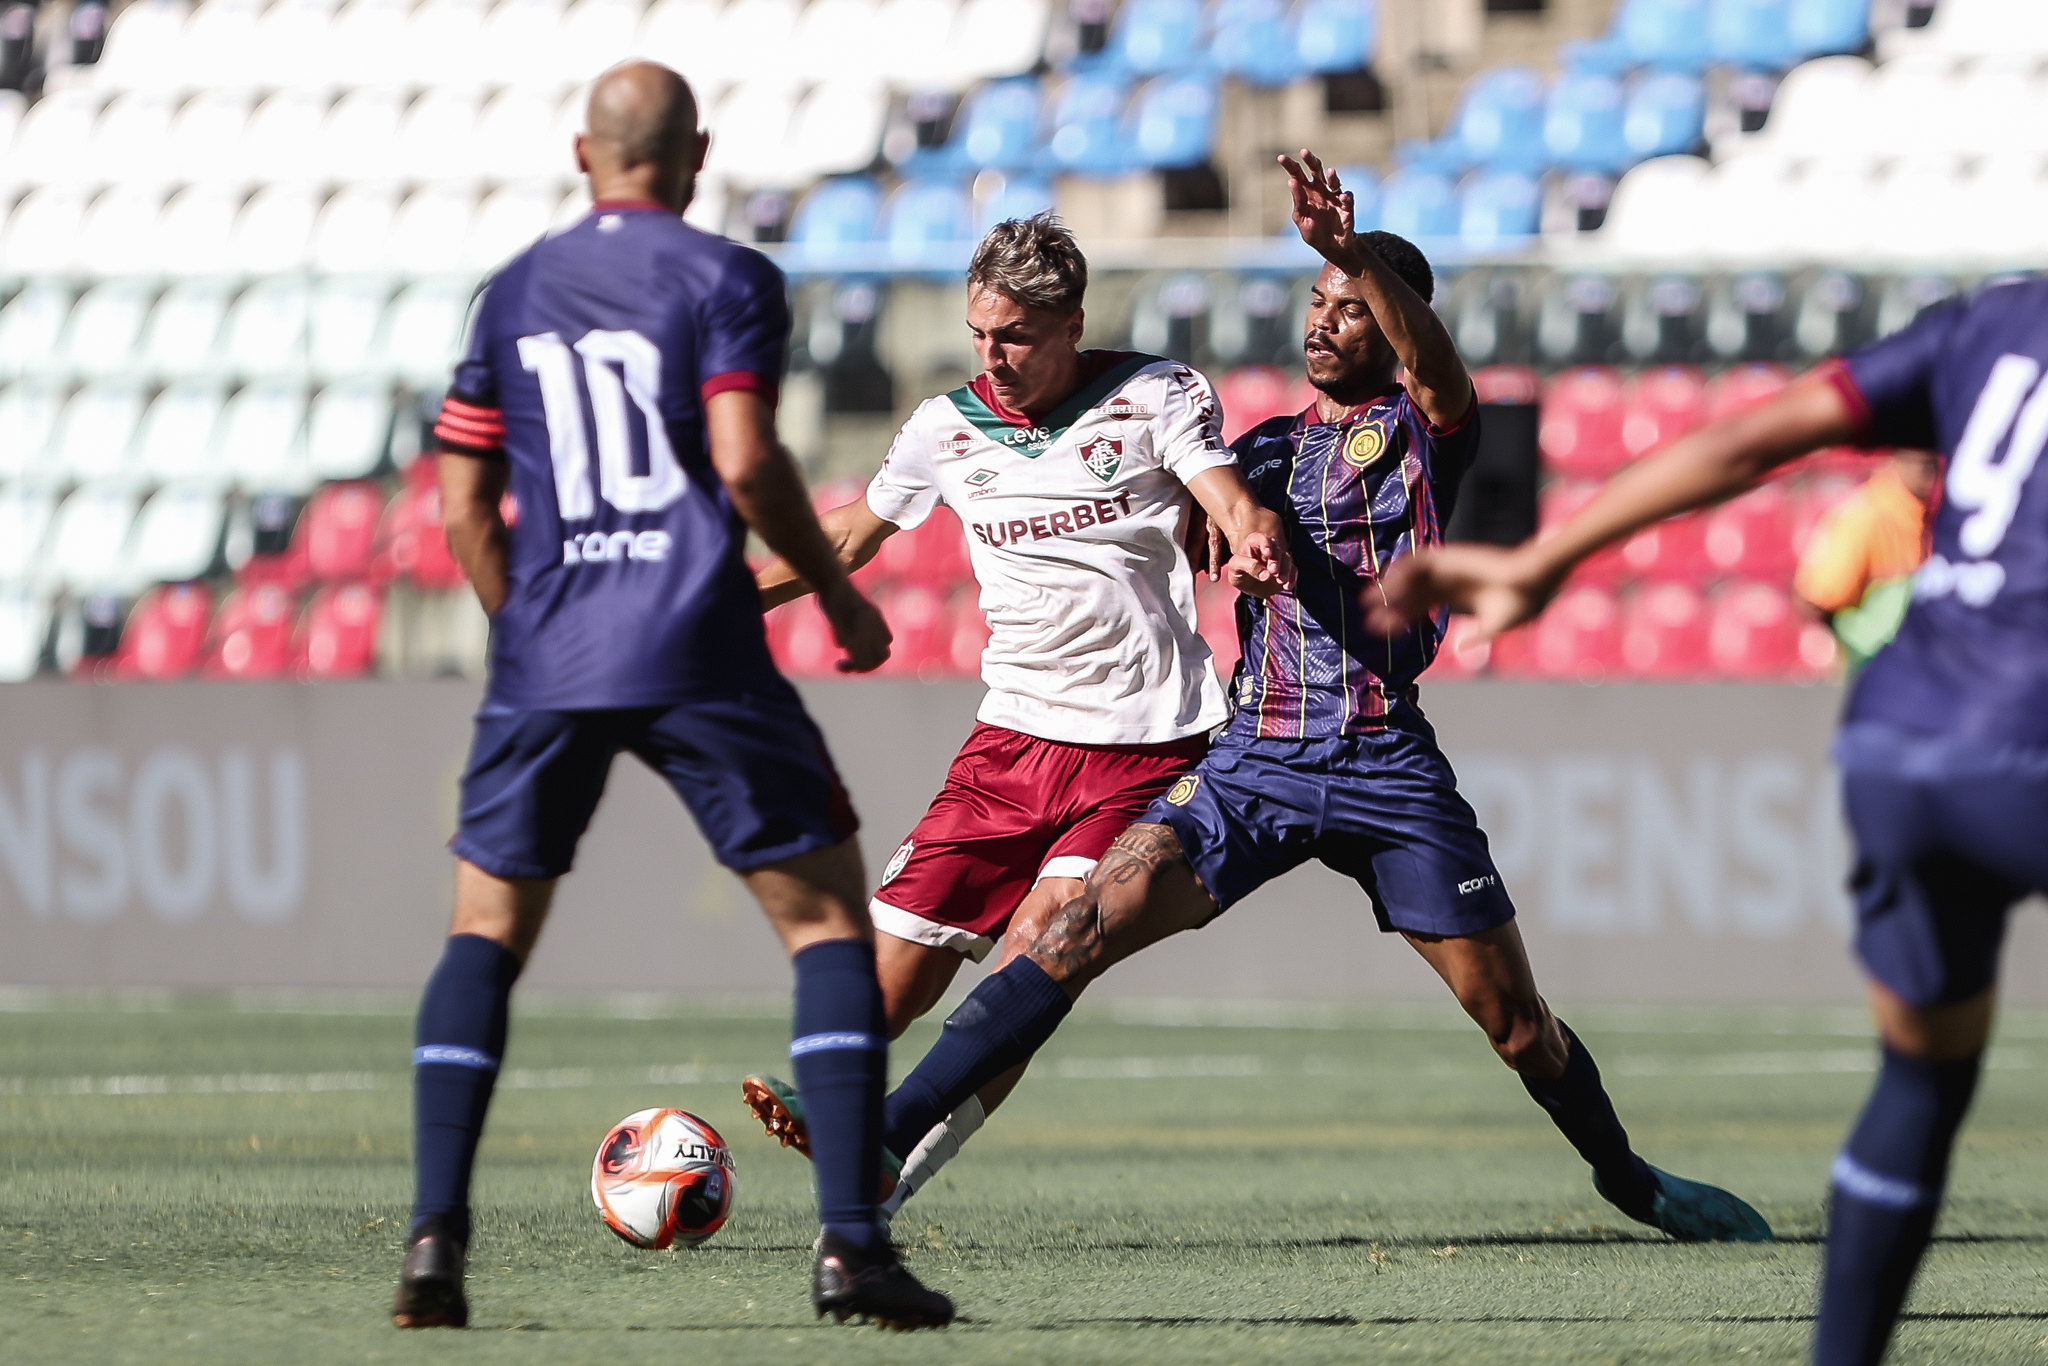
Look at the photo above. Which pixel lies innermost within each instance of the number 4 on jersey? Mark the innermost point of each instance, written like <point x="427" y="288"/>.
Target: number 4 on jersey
<point x="1981" y="483"/>
<point x="617" y="366"/>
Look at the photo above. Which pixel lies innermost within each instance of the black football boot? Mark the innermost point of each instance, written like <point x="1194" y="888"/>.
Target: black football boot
<point x="430" y="1287"/>
<point x="847" y="1282"/>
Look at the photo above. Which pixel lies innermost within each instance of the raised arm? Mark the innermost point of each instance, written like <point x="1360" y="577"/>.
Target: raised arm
<point x="1504" y="588"/>
<point x="1259" y="563"/>
<point x="770" y="497"/>
<point x="855" y="534"/>
<point x="472" y="495"/>
<point x="1437" y="378"/>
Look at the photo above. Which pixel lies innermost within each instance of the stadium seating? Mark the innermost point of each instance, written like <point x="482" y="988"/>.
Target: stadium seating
<point x="338" y="638"/>
<point x="251" y="635"/>
<point x="165" y="635"/>
<point x="176" y="441"/>
<point x="1663" y="632"/>
<point x="1579" y="638"/>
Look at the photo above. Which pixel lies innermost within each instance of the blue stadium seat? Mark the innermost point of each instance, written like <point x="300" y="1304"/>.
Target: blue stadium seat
<point x="1582" y="123"/>
<point x="1252" y="42"/>
<point x="1175" y="123"/>
<point x="1087" y="125"/>
<point x="1750" y="33"/>
<point x="1419" y="205"/>
<point x="1019" y="197"/>
<point x="1364" y="184"/>
<point x="1000" y="130"/>
<point x="1664" y="33"/>
<point x="1336" y="35"/>
<point x="925" y="222"/>
<point x="1498" y="209"/>
<point x="1158" y="36"/>
<point x="838" y="216"/>
<point x="1500" y="122"/>
<point x="1665" y="112"/>
<point x="1817" y="27"/>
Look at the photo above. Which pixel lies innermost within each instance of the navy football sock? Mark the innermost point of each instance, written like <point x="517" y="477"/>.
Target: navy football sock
<point x="840" y="1054"/>
<point x="461" y="1040"/>
<point x="1887" y="1191"/>
<point x="1577" y="1103"/>
<point x="1000" y="1024"/>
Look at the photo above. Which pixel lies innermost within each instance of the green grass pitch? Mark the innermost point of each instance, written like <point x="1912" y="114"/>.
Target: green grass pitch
<point x="225" y="1181"/>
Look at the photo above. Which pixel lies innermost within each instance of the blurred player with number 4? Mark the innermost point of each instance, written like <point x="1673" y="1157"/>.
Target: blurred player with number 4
<point x="621" y="377"/>
<point x="1076" y="475"/>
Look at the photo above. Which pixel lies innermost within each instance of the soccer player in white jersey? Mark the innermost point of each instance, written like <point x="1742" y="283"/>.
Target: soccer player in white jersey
<point x="1076" y="476"/>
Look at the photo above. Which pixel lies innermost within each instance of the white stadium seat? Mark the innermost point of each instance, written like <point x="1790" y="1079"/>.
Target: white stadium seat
<point x="281" y="135"/>
<point x="105" y="331"/>
<point x="206" y="138"/>
<point x="28" y="419"/>
<point x="131" y="142"/>
<point x="354" y="229"/>
<point x="88" y="540"/>
<point x="266" y="330"/>
<point x="750" y="136"/>
<point x="1817" y="111"/>
<point x="52" y="144"/>
<point x="1902" y="113"/>
<point x="910" y="44"/>
<point x="753" y="42"/>
<point x="43" y="231"/>
<point x="423" y="331"/>
<point x="366" y="38"/>
<point x="30" y="324"/>
<point x="24" y="625"/>
<point x="220" y="48"/>
<point x="443" y="46"/>
<point x="2002" y="213"/>
<point x="1657" y="209"/>
<point x="195" y="235"/>
<point x="684" y="34"/>
<point x="359" y="141"/>
<point x="176" y="537"/>
<point x="522" y="43"/>
<point x="507" y="222"/>
<point x="349" y="429"/>
<point x="263" y="438"/>
<point x="176" y="442"/>
<point x="516" y="138"/>
<point x="292" y="44"/>
<point x="576" y="204"/>
<point x="13" y="104"/>
<point x="437" y="139"/>
<point x="274" y="231"/>
<point x="144" y="48"/>
<point x="25" y="516"/>
<point x="1745" y="208"/>
<point x="95" y="438"/>
<point x="994" y="38"/>
<point x="342" y="327"/>
<point x="119" y="235"/>
<point x="428" y="235"/>
<point x="1826" y="213"/>
<point x="184" y="329"/>
<point x="1976" y="28"/>
<point x="596" y="34"/>
<point x="837" y="128"/>
<point x="1996" y="109"/>
<point x="828" y="34"/>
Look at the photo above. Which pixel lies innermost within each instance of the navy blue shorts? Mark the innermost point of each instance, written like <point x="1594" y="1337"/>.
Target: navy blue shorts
<point x="1382" y="808"/>
<point x="753" y="770"/>
<point x="1947" y="840"/>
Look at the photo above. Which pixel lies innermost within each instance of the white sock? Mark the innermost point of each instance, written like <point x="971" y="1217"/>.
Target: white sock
<point x="938" y="1147"/>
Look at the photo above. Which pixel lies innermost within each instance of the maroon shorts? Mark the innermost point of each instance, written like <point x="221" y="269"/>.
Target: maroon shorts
<point x="1015" y="809"/>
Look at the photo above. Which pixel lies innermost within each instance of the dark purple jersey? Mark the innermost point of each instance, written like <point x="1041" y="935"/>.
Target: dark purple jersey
<point x="1966" y="379"/>
<point x="590" y="360"/>
<point x="1355" y="496"/>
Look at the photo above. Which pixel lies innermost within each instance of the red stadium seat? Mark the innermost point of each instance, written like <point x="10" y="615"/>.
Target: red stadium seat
<point x="1668" y="550"/>
<point x="1743" y="386"/>
<point x="252" y="634"/>
<point x="1663" y="633"/>
<point x="1216" y="620"/>
<point x="1579" y="637"/>
<point x="1253" y="393"/>
<point x="1462" y="654"/>
<point x="1512" y="655"/>
<point x="802" y="642"/>
<point x="339" y="530"/>
<point x="166" y="634"/>
<point x="933" y="555"/>
<point x="1506" y="384"/>
<point x="1580" y="431"/>
<point x="1754" y="632"/>
<point x="413" y="544"/>
<point x="921" y="621"/>
<point x="1660" y="404"/>
<point x="339" y="636"/>
<point x="1751" y="536"/>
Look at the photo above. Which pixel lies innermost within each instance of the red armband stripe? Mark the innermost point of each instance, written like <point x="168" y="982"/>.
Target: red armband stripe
<point x="740" y="379"/>
<point x="452" y="404"/>
<point x="458" y="423"/>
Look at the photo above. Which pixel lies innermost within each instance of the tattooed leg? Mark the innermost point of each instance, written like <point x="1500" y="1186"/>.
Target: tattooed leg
<point x="1142" y="891"/>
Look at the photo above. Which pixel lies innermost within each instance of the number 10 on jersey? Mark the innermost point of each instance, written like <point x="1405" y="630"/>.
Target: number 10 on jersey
<point x="616" y="367"/>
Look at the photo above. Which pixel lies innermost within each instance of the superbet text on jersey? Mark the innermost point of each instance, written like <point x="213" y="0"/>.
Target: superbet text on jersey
<point x="1074" y="522"/>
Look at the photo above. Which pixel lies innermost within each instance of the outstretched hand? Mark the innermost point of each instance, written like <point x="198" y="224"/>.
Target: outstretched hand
<point x="1261" y="567"/>
<point x="1494" y="585"/>
<point x="858" y="626"/>
<point x="1323" y="208"/>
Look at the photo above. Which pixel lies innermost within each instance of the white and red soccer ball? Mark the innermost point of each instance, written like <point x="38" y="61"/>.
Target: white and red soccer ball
<point x="663" y="1178"/>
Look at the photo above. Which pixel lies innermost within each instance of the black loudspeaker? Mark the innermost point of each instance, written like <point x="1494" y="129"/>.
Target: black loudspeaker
<point x="1496" y="504"/>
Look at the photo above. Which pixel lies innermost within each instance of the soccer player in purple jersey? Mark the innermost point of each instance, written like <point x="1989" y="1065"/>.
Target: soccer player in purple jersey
<point x="1326" y="754"/>
<point x="1944" y="743"/>
<point x="620" y="378"/>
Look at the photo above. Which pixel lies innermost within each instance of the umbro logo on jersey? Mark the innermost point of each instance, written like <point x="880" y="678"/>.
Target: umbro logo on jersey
<point x="980" y="477"/>
<point x="1103" y="458"/>
<point x="957" y="443"/>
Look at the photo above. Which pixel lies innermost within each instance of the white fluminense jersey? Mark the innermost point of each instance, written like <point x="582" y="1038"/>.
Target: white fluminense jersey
<point x="1074" y="528"/>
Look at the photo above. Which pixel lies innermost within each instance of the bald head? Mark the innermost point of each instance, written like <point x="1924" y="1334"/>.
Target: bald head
<point x="641" y="138"/>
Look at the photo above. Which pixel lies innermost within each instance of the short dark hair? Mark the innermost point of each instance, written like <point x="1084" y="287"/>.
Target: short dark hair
<point x="1033" y="261"/>
<point x="1406" y="260"/>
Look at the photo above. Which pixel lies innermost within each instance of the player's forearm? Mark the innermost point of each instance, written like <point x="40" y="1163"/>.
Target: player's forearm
<point x="1412" y="328"/>
<point x="473" y="523"/>
<point x="855" y="534"/>
<point x="770" y="497"/>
